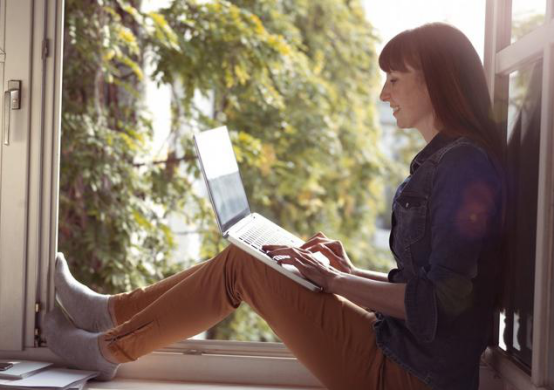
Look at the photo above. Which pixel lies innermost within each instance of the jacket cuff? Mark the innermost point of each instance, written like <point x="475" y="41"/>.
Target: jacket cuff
<point x="421" y="307"/>
<point x="392" y="273"/>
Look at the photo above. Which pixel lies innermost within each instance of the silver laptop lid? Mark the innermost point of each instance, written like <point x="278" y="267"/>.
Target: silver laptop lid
<point x="221" y="174"/>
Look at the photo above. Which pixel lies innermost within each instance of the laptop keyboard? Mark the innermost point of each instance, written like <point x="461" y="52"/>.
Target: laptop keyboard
<point x="266" y="233"/>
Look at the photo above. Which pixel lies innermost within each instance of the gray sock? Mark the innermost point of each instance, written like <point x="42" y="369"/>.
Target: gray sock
<point x="77" y="347"/>
<point x="87" y="309"/>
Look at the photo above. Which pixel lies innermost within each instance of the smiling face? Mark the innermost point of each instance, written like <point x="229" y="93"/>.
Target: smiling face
<point x="409" y="98"/>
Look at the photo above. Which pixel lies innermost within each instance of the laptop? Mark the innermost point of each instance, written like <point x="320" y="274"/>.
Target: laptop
<point x="244" y="229"/>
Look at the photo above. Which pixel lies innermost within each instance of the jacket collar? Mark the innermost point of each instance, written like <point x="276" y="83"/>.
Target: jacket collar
<point x="438" y="142"/>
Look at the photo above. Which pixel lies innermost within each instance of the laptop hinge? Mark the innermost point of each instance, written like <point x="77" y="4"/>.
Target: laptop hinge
<point x="239" y="225"/>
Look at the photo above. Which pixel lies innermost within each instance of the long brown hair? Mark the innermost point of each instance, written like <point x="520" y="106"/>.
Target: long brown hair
<point x="455" y="79"/>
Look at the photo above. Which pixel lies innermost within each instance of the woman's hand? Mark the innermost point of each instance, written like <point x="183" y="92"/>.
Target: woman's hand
<point x="311" y="268"/>
<point x="333" y="250"/>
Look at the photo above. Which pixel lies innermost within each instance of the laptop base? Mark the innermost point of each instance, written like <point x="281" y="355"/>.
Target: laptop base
<point x="289" y="271"/>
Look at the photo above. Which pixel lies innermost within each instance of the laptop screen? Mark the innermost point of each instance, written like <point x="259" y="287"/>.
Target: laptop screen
<point x="221" y="173"/>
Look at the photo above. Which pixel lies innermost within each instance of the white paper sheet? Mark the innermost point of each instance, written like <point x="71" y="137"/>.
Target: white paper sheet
<point x="55" y="378"/>
<point x="22" y="368"/>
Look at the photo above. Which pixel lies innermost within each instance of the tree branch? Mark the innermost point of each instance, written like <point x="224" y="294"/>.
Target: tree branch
<point x="185" y="158"/>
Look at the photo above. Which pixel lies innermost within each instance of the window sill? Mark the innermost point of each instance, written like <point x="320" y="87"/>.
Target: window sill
<point x="205" y="362"/>
<point x="124" y="384"/>
<point x="217" y="366"/>
<point x="508" y="372"/>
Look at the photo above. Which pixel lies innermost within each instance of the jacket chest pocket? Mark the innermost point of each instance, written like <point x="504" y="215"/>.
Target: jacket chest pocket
<point x="410" y="212"/>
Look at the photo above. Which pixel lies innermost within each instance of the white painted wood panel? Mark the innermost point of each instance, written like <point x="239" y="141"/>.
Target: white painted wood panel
<point x="29" y="165"/>
<point x="44" y="160"/>
<point x="543" y="330"/>
<point x="15" y="156"/>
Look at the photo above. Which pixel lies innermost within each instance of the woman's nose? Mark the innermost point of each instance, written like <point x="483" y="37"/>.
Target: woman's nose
<point x="384" y="96"/>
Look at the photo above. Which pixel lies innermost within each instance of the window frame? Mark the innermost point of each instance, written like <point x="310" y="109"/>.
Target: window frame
<point x="237" y="362"/>
<point x="234" y="359"/>
<point x="43" y="203"/>
<point x="22" y="260"/>
<point x="501" y="59"/>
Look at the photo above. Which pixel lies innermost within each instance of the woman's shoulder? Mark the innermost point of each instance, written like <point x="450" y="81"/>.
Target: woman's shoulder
<point x="464" y="151"/>
<point x="465" y="158"/>
<point x="461" y="149"/>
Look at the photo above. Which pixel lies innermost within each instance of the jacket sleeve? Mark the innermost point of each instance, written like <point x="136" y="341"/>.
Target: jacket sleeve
<point x="462" y="205"/>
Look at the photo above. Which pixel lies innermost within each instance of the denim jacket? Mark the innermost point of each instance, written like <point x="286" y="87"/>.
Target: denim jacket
<point x="446" y="224"/>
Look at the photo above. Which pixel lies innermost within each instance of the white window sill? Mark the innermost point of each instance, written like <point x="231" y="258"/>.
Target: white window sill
<point x="505" y="371"/>
<point x="128" y="384"/>
<point x="174" y="369"/>
<point x="177" y="369"/>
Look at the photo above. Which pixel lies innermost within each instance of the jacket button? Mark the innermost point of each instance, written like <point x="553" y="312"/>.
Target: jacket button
<point x="407" y="204"/>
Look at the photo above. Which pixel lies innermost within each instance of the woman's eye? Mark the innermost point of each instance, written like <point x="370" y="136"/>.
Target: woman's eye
<point x="393" y="81"/>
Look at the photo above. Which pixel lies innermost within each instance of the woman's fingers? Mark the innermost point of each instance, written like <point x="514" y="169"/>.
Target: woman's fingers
<point x="297" y="260"/>
<point x="291" y="260"/>
<point x="324" y="248"/>
<point x="306" y="265"/>
<point x="304" y="260"/>
<point x="279" y="252"/>
<point x="311" y="268"/>
<point x="273" y="247"/>
<point x="288" y="255"/>
<point x="316" y="238"/>
<point x="281" y="249"/>
<point x="331" y="255"/>
<point x="319" y="234"/>
<point x="338" y="261"/>
<point x="315" y="241"/>
<point x="334" y="245"/>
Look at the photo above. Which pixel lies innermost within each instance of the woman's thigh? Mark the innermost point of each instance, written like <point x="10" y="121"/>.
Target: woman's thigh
<point x="331" y="336"/>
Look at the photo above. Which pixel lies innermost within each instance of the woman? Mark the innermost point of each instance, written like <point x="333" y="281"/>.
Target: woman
<point x="430" y="317"/>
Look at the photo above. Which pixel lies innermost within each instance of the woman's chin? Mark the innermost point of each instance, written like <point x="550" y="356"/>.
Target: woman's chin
<point x="401" y="125"/>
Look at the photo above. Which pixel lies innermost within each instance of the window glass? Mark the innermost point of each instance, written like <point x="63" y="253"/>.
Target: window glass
<point x="526" y="16"/>
<point x="293" y="82"/>
<point x="524" y="113"/>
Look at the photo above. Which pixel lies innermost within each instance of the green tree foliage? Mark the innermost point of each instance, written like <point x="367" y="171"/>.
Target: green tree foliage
<point x="294" y="81"/>
<point x="108" y="226"/>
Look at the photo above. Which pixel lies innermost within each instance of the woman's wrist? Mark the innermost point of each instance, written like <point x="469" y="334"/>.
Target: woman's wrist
<point x="356" y="271"/>
<point x="367" y="274"/>
<point x="334" y="283"/>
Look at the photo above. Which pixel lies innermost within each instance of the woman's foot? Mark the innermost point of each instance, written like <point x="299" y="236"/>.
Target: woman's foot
<point x="77" y="347"/>
<point x="88" y="309"/>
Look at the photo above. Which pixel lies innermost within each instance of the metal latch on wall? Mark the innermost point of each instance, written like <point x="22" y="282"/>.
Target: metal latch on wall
<point x="12" y="101"/>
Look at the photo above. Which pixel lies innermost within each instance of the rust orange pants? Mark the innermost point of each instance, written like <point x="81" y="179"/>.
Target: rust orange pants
<point x="329" y="335"/>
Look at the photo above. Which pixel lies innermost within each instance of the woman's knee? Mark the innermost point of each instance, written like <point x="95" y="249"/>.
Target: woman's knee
<point x="237" y="257"/>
